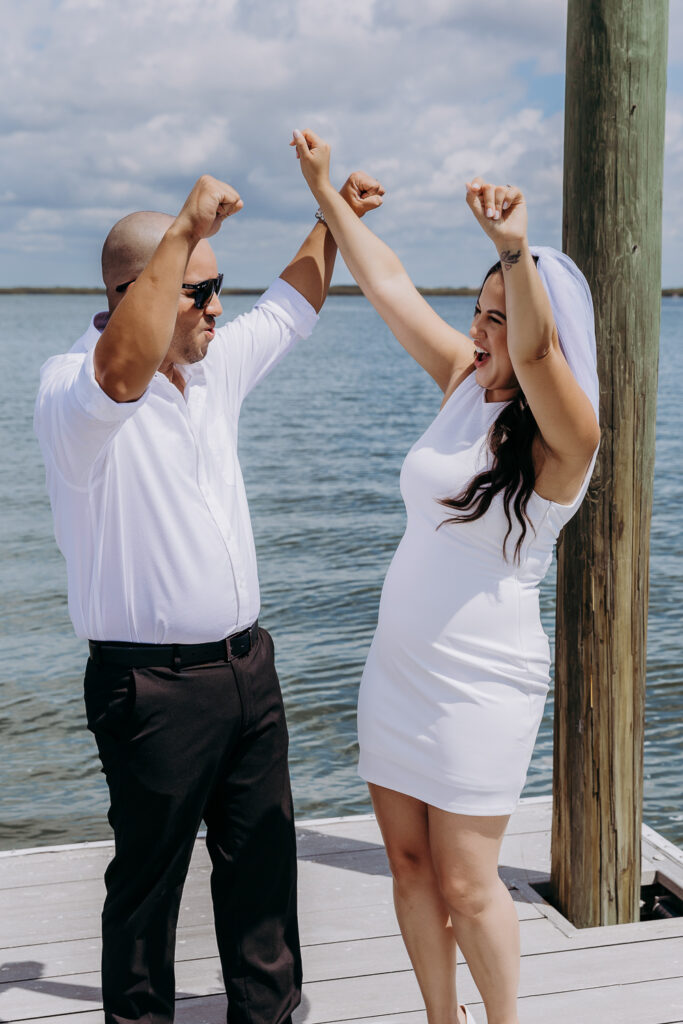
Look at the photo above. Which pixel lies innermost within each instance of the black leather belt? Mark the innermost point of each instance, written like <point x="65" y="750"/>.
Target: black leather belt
<point x="175" y="656"/>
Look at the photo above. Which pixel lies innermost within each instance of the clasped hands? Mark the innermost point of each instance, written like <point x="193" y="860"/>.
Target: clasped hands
<point x="361" y="191"/>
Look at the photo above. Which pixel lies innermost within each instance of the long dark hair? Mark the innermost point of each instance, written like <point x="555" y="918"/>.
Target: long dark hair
<point x="510" y="441"/>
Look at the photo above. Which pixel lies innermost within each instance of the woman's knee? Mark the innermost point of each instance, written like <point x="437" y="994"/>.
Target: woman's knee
<point x="468" y="896"/>
<point x="410" y="864"/>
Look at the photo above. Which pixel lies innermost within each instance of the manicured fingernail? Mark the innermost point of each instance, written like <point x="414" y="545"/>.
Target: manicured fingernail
<point x="489" y="212"/>
<point x="496" y="215"/>
<point x="505" y="205"/>
<point x="296" y="133"/>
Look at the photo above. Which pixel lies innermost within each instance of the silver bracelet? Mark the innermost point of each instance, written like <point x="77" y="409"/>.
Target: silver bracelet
<point x="319" y="215"/>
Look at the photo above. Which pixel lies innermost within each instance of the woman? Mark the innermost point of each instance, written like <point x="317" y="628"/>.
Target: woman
<point x="455" y="682"/>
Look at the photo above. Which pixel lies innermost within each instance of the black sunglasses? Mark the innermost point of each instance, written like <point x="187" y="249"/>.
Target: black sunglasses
<point x="203" y="290"/>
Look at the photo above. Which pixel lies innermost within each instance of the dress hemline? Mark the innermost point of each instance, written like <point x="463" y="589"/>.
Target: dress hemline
<point x="381" y="772"/>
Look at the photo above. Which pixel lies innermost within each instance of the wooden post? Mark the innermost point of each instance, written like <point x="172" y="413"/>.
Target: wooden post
<point x="612" y="214"/>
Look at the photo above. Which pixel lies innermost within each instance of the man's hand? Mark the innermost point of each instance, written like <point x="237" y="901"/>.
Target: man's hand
<point x="206" y="207"/>
<point x="362" y="192"/>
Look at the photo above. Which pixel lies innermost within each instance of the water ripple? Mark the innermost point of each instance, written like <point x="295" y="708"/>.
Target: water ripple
<point x="322" y="440"/>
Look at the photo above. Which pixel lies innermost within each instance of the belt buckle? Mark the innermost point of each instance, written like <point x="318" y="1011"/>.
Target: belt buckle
<point x="240" y="644"/>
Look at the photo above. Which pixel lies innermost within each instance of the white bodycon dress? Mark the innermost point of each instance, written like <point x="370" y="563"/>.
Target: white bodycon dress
<point x="456" y="678"/>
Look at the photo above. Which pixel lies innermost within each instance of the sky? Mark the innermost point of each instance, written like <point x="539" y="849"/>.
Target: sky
<point x="110" y="107"/>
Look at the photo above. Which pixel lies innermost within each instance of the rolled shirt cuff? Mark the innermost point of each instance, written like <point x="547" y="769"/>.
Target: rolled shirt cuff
<point x="299" y="313"/>
<point x="97" y="402"/>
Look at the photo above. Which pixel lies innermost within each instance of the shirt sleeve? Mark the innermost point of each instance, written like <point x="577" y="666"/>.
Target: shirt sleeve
<point x="74" y="418"/>
<point x="252" y="344"/>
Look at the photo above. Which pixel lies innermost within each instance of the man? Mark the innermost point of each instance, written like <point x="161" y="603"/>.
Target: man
<point x="138" y="428"/>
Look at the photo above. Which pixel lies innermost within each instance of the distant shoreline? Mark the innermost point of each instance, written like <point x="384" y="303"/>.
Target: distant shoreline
<point x="336" y="289"/>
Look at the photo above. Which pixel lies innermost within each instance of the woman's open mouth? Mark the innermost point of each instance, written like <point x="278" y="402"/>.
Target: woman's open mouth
<point x="480" y="355"/>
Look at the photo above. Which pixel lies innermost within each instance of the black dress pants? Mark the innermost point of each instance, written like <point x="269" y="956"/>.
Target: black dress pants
<point x="207" y="742"/>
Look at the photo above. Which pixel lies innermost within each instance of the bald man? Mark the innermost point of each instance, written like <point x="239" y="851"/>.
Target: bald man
<point x="138" y="428"/>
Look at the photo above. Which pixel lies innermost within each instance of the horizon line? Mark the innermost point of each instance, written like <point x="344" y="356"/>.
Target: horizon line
<point x="335" y="289"/>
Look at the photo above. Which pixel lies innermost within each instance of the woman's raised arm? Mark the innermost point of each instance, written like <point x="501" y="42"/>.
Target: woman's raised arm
<point x="566" y="420"/>
<point x="446" y="354"/>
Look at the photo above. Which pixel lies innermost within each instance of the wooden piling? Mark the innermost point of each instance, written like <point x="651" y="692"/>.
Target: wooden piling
<point x="612" y="214"/>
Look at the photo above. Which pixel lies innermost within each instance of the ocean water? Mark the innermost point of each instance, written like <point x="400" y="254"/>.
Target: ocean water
<point x="321" y="441"/>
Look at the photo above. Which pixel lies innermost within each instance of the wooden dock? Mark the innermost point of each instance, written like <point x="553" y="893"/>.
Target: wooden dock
<point x="355" y="965"/>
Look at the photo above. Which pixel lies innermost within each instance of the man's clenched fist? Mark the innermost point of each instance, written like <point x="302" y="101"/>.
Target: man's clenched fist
<point x="362" y="192"/>
<point x="207" y="206"/>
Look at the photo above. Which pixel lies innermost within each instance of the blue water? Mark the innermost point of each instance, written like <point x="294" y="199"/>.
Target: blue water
<point x="322" y="440"/>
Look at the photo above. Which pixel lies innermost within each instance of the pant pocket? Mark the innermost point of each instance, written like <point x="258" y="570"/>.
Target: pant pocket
<point x="109" y="693"/>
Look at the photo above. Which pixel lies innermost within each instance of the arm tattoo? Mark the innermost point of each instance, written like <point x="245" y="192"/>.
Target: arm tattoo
<point x="508" y="257"/>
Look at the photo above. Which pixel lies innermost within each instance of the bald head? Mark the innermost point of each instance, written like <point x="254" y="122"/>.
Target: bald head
<point x="128" y="248"/>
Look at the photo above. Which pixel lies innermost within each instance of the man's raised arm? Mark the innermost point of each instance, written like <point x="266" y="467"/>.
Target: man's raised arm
<point x="136" y="339"/>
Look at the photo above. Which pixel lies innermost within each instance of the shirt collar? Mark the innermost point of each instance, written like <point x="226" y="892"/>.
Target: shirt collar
<point x="91" y="336"/>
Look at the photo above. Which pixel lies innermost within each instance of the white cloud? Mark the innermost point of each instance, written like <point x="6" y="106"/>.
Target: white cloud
<point x="112" y="107"/>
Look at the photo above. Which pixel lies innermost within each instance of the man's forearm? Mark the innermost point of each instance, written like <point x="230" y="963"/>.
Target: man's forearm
<point x="139" y="331"/>
<point x="370" y="260"/>
<point x="310" y="272"/>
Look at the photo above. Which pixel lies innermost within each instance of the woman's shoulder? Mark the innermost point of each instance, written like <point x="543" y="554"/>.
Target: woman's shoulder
<point x="461" y="384"/>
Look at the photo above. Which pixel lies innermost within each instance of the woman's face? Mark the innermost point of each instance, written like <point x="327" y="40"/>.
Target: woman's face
<point x="494" y="370"/>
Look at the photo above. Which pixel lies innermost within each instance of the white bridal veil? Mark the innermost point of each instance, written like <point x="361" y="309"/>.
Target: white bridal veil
<point x="572" y="307"/>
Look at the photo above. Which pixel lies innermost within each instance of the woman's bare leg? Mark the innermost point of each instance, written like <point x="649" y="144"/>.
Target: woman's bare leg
<point x="465" y="851"/>
<point x="422" y="914"/>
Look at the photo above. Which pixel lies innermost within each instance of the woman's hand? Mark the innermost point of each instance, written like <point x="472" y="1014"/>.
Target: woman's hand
<point x="501" y="212"/>
<point x="314" y="155"/>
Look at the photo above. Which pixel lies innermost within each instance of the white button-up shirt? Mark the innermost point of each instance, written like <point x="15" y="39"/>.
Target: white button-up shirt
<point x="149" y="506"/>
